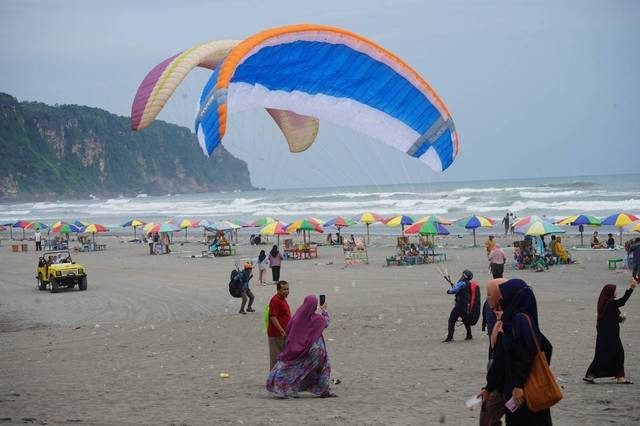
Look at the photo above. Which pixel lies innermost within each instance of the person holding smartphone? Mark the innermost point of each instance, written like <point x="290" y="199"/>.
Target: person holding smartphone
<point x="304" y="363"/>
<point x="279" y="317"/>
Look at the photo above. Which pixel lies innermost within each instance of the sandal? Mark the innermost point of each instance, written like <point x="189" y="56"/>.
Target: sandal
<point x="589" y="380"/>
<point x="625" y="382"/>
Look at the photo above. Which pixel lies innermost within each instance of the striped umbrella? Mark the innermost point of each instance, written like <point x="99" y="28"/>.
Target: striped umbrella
<point x="527" y="220"/>
<point x="539" y="228"/>
<point x="263" y="221"/>
<point x="186" y="224"/>
<point x="66" y="228"/>
<point x="580" y="219"/>
<point x="427" y="228"/>
<point x="367" y="219"/>
<point x="94" y="228"/>
<point x="619" y="220"/>
<point x="37" y="225"/>
<point x="400" y="220"/>
<point x="275" y="228"/>
<point x="633" y="227"/>
<point x="304" y="226"/>
<point x="20" y="224"/>
<point x="240" y="222"/>
<point x="437" y="219"/>
<point x="134" y="223"/>
<point x="474" y="222"/>
<point x="161" y="227"/>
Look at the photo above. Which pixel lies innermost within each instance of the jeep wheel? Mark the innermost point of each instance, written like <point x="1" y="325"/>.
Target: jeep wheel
<point x="41" y="286"/>
<point x="54" y="285"/>
<point x="82" y="286"/>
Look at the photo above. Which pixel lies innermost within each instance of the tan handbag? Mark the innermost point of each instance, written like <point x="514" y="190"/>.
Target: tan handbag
<point x="541" y="390"/>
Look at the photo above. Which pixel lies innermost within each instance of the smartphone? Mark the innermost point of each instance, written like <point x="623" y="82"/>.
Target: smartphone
<point x="511" y="405"/>
<point x="321" y="300"/>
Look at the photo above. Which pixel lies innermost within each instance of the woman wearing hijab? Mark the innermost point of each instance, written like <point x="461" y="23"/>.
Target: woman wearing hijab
<point x="275" y="260"/>
<point x="492" y="394"/>
<point x="609" y="358"/>
<point x="263" y="264"/>
<point x="303" y="365"/>
<point x="518" y="302"/>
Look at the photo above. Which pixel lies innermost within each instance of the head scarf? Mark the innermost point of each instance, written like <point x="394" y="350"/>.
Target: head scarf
<point x="262" y="256"/>
<point x="518" y="298"/>
<point x="303" y="330"/>
<point x="274" y="251"/>
<point x="493" y="288"/>
<point x="606" y="296"/>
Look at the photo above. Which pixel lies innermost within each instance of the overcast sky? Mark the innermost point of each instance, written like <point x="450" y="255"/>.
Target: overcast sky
<point x="536" y="88"/>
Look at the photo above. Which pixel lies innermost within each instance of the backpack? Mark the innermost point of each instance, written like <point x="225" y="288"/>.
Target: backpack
<point x="235" y="284"/>
<point x="474" y="308"/>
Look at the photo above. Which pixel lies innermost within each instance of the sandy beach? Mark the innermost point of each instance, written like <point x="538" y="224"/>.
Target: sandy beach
<point x="147" y="342"/>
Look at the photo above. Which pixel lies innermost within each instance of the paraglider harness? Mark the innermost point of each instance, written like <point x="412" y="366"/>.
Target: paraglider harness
<point x="474" y="307"/>
<point x="235" y="282"/>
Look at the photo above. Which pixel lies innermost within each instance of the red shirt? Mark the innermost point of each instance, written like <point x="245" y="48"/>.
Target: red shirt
<point x="279" y="308"/>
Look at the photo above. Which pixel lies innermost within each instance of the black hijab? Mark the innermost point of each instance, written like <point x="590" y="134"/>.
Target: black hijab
<point x="274" y="251"/>
<point x="518" y="298"/>
<point x="262" y="256"/>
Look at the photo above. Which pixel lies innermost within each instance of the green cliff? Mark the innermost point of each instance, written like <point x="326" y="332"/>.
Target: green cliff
<point x="73" y="151"/>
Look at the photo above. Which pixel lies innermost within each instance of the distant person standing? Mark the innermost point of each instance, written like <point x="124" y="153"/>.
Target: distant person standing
<point x="279" y="317"/>
<point x="263" y="264"/>
<point x="497" y="260"/>
<point x="275" y="260"/>
<point x="513" y="223"/>
<point x="38" y="240"/>
<point x="505" y="221"/>
<point x="489" y="244"/>
<point x="609" y="357"/>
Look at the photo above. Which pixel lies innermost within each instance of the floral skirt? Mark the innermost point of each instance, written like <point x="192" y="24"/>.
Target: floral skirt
<point x="310" y="373"/>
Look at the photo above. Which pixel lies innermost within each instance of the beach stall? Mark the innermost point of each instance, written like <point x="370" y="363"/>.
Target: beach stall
<point x="304" y="250"/>
<point x="275" y="228"/>
<point x="93" y="229"/>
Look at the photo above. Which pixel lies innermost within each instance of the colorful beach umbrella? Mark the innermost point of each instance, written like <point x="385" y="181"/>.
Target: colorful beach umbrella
<point x="161" y="227"/>
<point x="619" y="220"/>
<point x="427" y="228"/>
<point x="66" y="228"/>
<point x="437" y="219"/>
<point x="633" y="227"/>
<point x="263" y="221"/>
<point x="474" y="222"/>
<point x="367" y="219"/>
<point x="37" y="225"/>
<point x="527" y="220"/>
<point x="134" y="223"/>
<point x="186" y="224"/>
<point x="539" y="228"/>
<point x="240" y="222"/>
<point x="580" y="219"/>
<point x="304" y="226"/>
<point x="339" y="222"/>
<point x="275" y="228"/>
<point x="317" y="221"/>
<point x="94" y="228"/>
<point x="81" y="223"/>
<point x="400" y="220"/>
<point x="22" y="224"/>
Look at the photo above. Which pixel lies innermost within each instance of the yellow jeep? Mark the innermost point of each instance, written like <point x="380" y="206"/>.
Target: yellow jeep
<point x="57" y="269"/>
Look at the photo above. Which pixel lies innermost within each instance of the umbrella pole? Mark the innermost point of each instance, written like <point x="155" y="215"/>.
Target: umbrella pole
<point x="23" y="234"/>
<point x="581" y="238"/>
<point x="474" y="237"/>
<point x="402" y="224"/>
<point x="621" y="237"/>
<point x="367" y="234"/>
<point x="278" y="240"/>
<point x="134" y="233"/>
<point x="11" y="232"/>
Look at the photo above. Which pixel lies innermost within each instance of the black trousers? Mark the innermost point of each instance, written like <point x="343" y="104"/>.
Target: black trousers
<point x="497" y="270"/>
<point x="455" y="314"/>
<point x="38" y="245"/>
<point x="275" y="273"/>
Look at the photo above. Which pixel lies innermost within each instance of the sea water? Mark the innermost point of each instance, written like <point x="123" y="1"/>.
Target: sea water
<point x="551" y="197"/>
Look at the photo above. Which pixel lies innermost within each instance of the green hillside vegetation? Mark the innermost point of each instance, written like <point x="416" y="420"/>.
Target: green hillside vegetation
<point x="73" y="151"/>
